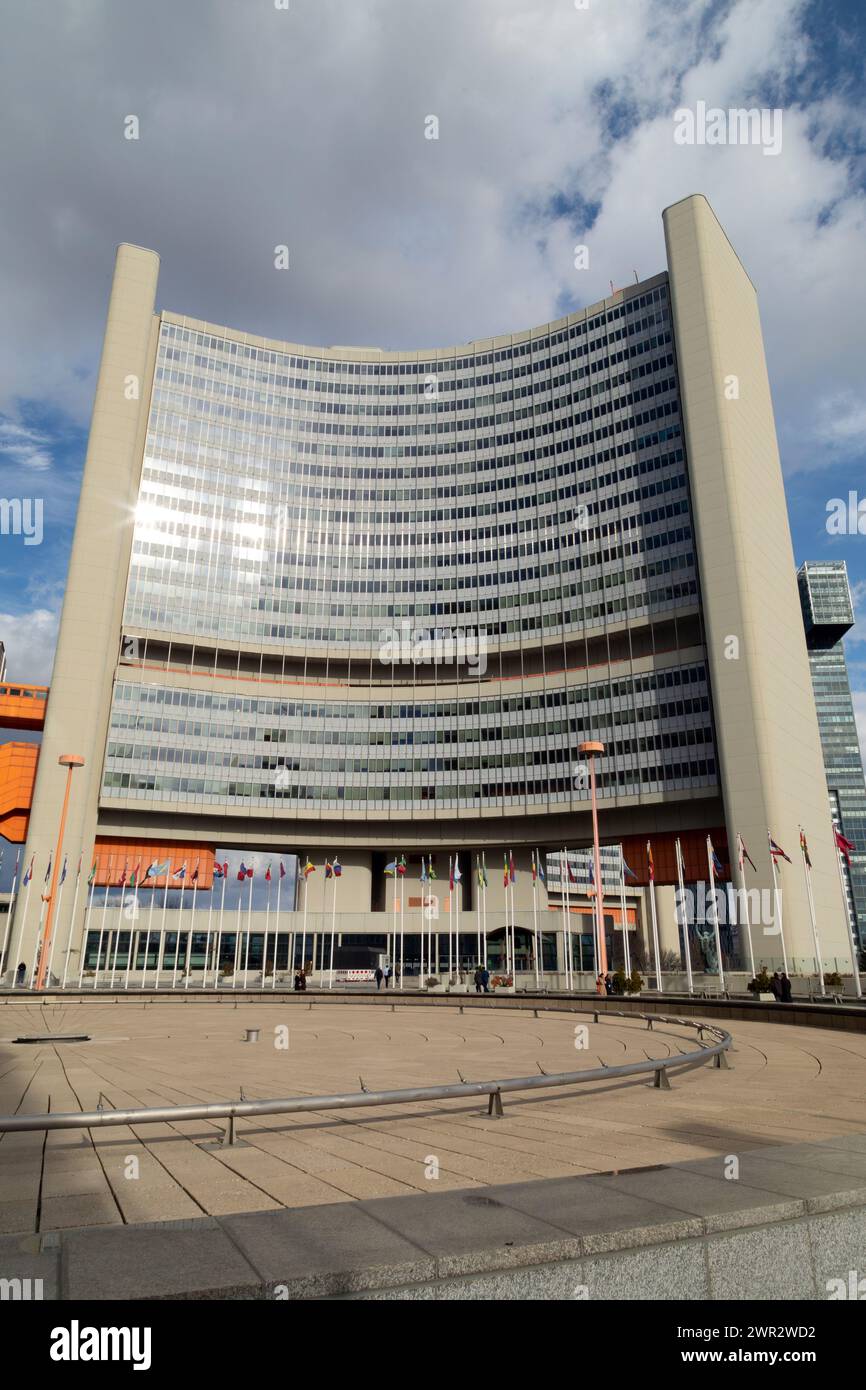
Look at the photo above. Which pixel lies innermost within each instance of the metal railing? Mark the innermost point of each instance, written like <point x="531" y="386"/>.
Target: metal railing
<point x="494" y="1090"/>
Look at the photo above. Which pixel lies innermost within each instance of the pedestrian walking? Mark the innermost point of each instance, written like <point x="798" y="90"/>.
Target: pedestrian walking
<point x="379" y="977"/>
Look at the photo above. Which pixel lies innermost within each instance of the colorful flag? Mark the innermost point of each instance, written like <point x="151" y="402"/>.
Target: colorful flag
<point x="590" y="892"/>
<point x="504" y="870"/>
<point x="423" y="869"/>
<point x="194" y="877"/>
<point x="48" y="870"/>
<point x="282" y="870"/>
<point x="309" y="868"/>
<point x="336" y="867"/>
<point x="156" y="870"/>
<point x="844" y="846"/>
<point x="133" y="878"/>
<point x="716" y="861"/>
<point x="541" y="873"/>
<point x="455" y="873"/>
<point x="534" y="870"/>
<point x="512" y="872"/>
<point x="631" y="873"/>
<point x="805" y="848"/>
<point x="571" y="875"/>
<point x="123" y="876"/>
<point x="63" y="872"/>
<point x="776" y="851"/>
<point x="219" y="870"/>
<point x="743" y="854"/>
<point x="29" y="874"/>
<point x="242" y="872"/>
<point x="401" y="865"/>
<point x="650" y="862"/>
<point x="268" y="874"/>
<point x="328" y="869"/>
<point x="482" y="873"/>
<point x="391" y="868"/>
<point x="92" y="875"/>
<point x="431" y="868"/>
<point x="180" y="873"/>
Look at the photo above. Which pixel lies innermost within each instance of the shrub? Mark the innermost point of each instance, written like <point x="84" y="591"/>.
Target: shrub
<point x="832" y="977"/>
<point x="762" y="983"/>
<point x="634" y="983"/>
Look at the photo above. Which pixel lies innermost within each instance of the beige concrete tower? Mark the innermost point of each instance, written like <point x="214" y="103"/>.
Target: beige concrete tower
<point x="767" y="727"/>
<point x="87" y="647"/>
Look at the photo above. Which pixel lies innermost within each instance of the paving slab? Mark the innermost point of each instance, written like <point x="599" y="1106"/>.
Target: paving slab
<point x="723" y="1204"/>
<point x="163" y="1262"/>
<point x="321" y="1252"/>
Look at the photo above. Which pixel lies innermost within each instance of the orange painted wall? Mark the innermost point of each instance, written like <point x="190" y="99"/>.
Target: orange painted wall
<point x="112" y="856"/>
<point x="23" y="706"/>
<point x="17" y="776"/>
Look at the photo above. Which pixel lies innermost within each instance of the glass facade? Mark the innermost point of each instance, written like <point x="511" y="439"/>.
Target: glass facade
<point x="446" y="526"/>
<point x="828" y="613"/>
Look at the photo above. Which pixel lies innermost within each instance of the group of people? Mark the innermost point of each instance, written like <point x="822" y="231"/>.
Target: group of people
<point x="385" y="975"/>
<point x="604" y="984"/>
<point x="482" y="980"/>
<point x="780" y="987"/>
<point x="300" y="979"/>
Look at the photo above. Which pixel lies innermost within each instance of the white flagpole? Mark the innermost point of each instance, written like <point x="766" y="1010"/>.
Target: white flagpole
<point x="12" y="901"/>
<point x="333" y="928"/>
<point x="655" y="922"/>
<point x="237" y="940"/>
<point x="684" y="917"/>
<point x="450" y="917"/>
<point x="265" y="942"/>
<point x="456" y="896"/>
<point x="777" y="896"/>
<point x="177" y="933"/>
<point x="858" y="988"/>
<point x="478" y="887"/>
<point x="277" y="932"/>
<point x="55" y="935"/>
<point x="623" y="912"/>
<point x="208" y="935"/>
<point x="102" y="924"/>
<point x="402" y="924"/>
<point x="160" y="950"/>
<point x="808" y="877"/>
<point x="249" y="930"/>
<point x="741" y="861"/>
<point x="37" y="952"/>
<point x="484" y="911"/>
<point x="187" y="960"/>
<point x="715" y="912"/>
<point x="85" y="930"/>
<point x="569" y="954"/>
<point x="147" y="934"/>
<point x="535" y="918"/>
<point x="219" y="940"/>
<point x="423" y="895"/>
<point x="304" y="929"/>
<point x="117" y="933"/>
<point x="26" y="909"/>
<point x="132" y="935"/>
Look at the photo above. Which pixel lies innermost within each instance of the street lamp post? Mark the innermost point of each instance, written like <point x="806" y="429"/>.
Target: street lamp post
<point x="70" y="761"/>
<point x="590" y="751"/>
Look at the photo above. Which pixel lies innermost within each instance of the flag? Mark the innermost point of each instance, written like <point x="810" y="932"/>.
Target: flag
<point x="391" y="868"/>
<point x="650" y="862"/>
<point x="401" y="865"/>
<point x="590" y="892"/>
<point x="571" y="875"/>
<point x="242" y="872"/>
<point x="512" y="872"/>
<point x="90" y="879"/>
<point x="219" y="870"/>
<point x="48" y="870"/>
<point x="309" y="868"/>
<point x="431" y="868"/>
<point x="29" y="874"/>
<point x="328" y="869"/>
<point x="423" y="869"/>
<point x="282" y="870"/>
<point x="63" y="872"/>
<point x="631" y="873"/>
<point x="180" y="873"/>
<point x="776" y="851"/>
<point x="743" y="854"/>
<point x="156" y="870"/>
<point x="504" y="870"/>
<point x="194" y="878"/>
<point x="123" y="876"/>
<point x="844" y="846"/>
<point x="336" y="867"/>
<point x="133" y="878"/>
<point x="805" y="848"/>
<point x="268" y="874"/>
<point x="534" y="870"/>
<point x="455" y="873"/>
<point x="541" y="874"/>
<point x="717" y="863"/>
<point x="480" y="871"/>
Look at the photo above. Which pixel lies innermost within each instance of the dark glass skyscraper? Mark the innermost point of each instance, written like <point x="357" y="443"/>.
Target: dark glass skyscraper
<point x="828" y="614"/>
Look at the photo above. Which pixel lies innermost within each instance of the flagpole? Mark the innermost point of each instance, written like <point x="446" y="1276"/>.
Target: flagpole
<point x="715" y="913"/>
<point x="177" y="933"/>
<point x="655" y="920"/>
<point x="57" y="919"/>
<point x="333" y="927"/>
<point x="37" y="953"/>
<point x="208" y="933"/>
<point x="265" y="942"/>
<point x="687" y="950"/>
<point x="219" y="940"/>
<point x="535" y="919"/>
<point x="160" y="950"/>
<point x="277" y="934"/>
<point x="623" y="912"/>
<point x="85" y="931"/>
<point x="450" y="917"/>
<point x="858" y="989"/>
<point x="808" y="877"/>
<point x="402" y="923"/>
<point x="777" y="895"/>
<point x="304" y="929"/>
<point x="569" y="962"/>
<point x="117" y="933"/>
<point x="131" y="936"/>
<point x="249" y="930"/>
<point x="741" y="860"/>
<point x="457" y="917"/>
<point x="541" y="935"/>
<point x="421" y="912"/>
<point x="187" y="963"/>
<point x="4" y="964"/>
<point x="102" y="925"/>
<point x="147" y="935"/>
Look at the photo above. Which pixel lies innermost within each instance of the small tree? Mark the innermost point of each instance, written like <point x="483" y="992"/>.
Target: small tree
<point x="762" y="983"/>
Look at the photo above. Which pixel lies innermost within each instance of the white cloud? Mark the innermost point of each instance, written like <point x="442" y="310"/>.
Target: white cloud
<point x="22" y="447"/>
<point x="30" y="639"/>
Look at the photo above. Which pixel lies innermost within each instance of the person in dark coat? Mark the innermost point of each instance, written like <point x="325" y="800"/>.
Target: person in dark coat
<point x="786" y="988"/>
<point x="479" y="980"/>
<point x="20" y="974"/>
<point x="379" y="977"/>
<point x="776" y="985"/>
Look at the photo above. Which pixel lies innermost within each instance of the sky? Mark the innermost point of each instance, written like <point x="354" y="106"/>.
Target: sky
<point x="304" y="123"/>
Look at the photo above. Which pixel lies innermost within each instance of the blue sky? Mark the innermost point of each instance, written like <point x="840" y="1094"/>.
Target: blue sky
<point x="261" y="127"/>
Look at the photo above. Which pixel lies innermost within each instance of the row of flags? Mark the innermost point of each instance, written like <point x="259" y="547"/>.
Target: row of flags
<point x="397" y="867"/>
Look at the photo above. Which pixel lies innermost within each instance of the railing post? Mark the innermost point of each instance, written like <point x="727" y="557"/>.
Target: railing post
<point x="494" y="1105"/>
<point x="660" y="1079"/>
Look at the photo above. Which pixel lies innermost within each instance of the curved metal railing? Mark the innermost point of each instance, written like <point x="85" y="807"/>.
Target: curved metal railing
<point x="494" y="1090"/>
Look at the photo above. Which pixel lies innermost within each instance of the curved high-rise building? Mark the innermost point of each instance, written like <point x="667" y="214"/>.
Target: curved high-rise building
<point x="366" y="604"/>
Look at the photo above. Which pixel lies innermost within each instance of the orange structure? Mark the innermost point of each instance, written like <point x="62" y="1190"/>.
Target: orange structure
<point x="17" y="777"/>
<point x="23" y="706"/>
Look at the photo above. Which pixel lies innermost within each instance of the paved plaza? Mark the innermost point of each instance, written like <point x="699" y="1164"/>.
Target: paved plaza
<point x="789" y="1085"/>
